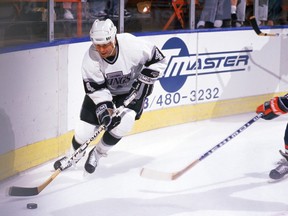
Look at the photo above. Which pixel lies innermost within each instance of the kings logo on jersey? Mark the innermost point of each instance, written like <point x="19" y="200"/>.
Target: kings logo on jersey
<point x="117" y="79"/>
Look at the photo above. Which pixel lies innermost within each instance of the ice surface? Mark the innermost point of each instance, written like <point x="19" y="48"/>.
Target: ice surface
<point x="232" y="181"/>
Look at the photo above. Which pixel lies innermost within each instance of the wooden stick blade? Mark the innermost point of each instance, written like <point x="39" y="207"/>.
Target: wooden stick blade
<point x="166" y="176"/>
<point x="32" y="191"/>
<point x="256" y="28"/>
<point x="156" y="175"/>
<point x="254" y="25"/>
<point x="23" y="191"/>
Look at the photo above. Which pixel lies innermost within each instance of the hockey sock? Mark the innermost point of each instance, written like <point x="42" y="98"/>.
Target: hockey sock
<point x="75" y="144"/>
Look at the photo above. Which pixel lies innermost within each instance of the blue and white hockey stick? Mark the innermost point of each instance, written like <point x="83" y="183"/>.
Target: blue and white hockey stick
<point x="158" y="175"/>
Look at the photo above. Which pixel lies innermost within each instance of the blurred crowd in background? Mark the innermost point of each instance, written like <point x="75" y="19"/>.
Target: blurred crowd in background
<point x="26" y="21"/>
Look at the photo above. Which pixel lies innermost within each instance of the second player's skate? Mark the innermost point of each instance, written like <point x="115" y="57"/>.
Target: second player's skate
<point x="282" y="169"/>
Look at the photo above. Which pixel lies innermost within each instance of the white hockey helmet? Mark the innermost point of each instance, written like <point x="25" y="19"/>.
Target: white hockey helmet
<point x="103" y="32"/>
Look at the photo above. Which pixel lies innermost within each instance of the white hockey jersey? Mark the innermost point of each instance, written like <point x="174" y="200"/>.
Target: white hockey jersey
<point x="103" y="78"/>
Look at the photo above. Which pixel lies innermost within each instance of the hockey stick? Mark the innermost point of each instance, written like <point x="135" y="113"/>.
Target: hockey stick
<point x="32" y="191"/>
<point x="256" y="28"/>
<point x="158" y="175"/>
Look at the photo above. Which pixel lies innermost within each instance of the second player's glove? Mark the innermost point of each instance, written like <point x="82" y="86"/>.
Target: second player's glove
<point x="273" y="108"/>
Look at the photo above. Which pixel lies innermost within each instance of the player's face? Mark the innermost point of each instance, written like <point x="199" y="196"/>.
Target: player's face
<point x="105" y="50"/>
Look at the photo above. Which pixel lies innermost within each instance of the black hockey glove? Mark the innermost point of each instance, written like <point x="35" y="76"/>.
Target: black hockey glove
<point x="273" y="108"/>
<point x="104" y="112"/>
<point x="144" y="84"/>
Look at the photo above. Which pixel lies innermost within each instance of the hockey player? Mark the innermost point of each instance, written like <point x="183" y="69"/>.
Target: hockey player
<point x="115" y="66"/>
<point x="272" y="109"/>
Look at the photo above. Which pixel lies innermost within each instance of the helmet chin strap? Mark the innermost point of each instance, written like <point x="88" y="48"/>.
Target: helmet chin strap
<point x="114" y="47"/>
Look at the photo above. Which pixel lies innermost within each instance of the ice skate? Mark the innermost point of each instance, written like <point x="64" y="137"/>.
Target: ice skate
<point x="92" y="160"/>
<point x="62" y="163"/>
<point x="282" y="169"/>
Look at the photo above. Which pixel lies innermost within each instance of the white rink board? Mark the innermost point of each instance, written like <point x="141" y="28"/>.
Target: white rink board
<point x="234" y="64"/>
<point x="260" y="74"/>
<point x="42" y="88"/>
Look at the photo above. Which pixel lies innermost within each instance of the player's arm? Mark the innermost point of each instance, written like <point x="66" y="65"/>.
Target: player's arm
<point x="95" y="87"/>
<point x="93" y="79"/>
<point x="155" y="60"/>
<point x="273" y="108"/>
<point x="143" y="85"/>
<point x="154" y="65"/>
<point x="102" y="98"/>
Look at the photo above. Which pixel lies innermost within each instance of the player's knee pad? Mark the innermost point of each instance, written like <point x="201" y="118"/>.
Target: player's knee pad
<point x="83" y="132"/>
<point x="126" y="124"/>
<point x="109" y="139"/>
